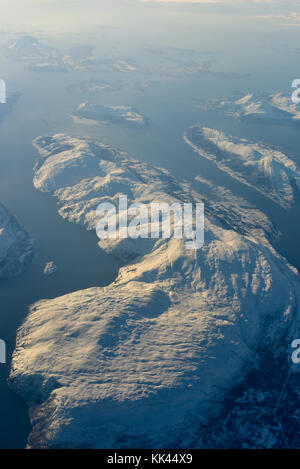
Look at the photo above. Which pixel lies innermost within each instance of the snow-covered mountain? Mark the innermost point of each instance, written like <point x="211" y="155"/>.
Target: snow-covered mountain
<point x="260" y="166"/>
<point x="275" y="107"/>
<point x="87" y="113"/>
<point x="16" y="248"/>
<point x="134" y="363"/>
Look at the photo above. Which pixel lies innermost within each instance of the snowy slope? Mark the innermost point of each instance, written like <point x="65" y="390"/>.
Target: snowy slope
<point x="87" y="113"/>
<point x="262" y="167"/>
<point x="128" y="364"/>
<point x="16" y="248"/>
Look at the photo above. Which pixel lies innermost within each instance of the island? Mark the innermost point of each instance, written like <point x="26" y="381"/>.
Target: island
<point x="147" y="361"/>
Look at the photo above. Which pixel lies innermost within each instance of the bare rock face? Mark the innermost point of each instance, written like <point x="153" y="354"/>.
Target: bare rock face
<point x="262" y="167"/>
<point x="16" y="248"/>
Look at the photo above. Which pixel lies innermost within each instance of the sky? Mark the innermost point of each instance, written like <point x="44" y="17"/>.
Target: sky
<point x="66" y="15"/>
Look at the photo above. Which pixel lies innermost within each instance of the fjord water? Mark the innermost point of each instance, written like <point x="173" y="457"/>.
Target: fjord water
<point x="44" y="107"/>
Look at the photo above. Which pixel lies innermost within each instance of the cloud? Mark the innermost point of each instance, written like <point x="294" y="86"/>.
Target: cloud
<point x="217" y="1"/>
<point x="291" y="19"/>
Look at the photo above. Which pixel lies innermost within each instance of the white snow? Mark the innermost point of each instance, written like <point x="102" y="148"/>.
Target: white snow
<point x="128" y="364"/>
<point x="262" y="167"/>
<point x="124" y="66"/>
<point x="39" y="56"/>
<point x="50" y="268"/>
<point x="277" y="107"/>
<point x="235" y="212"/>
